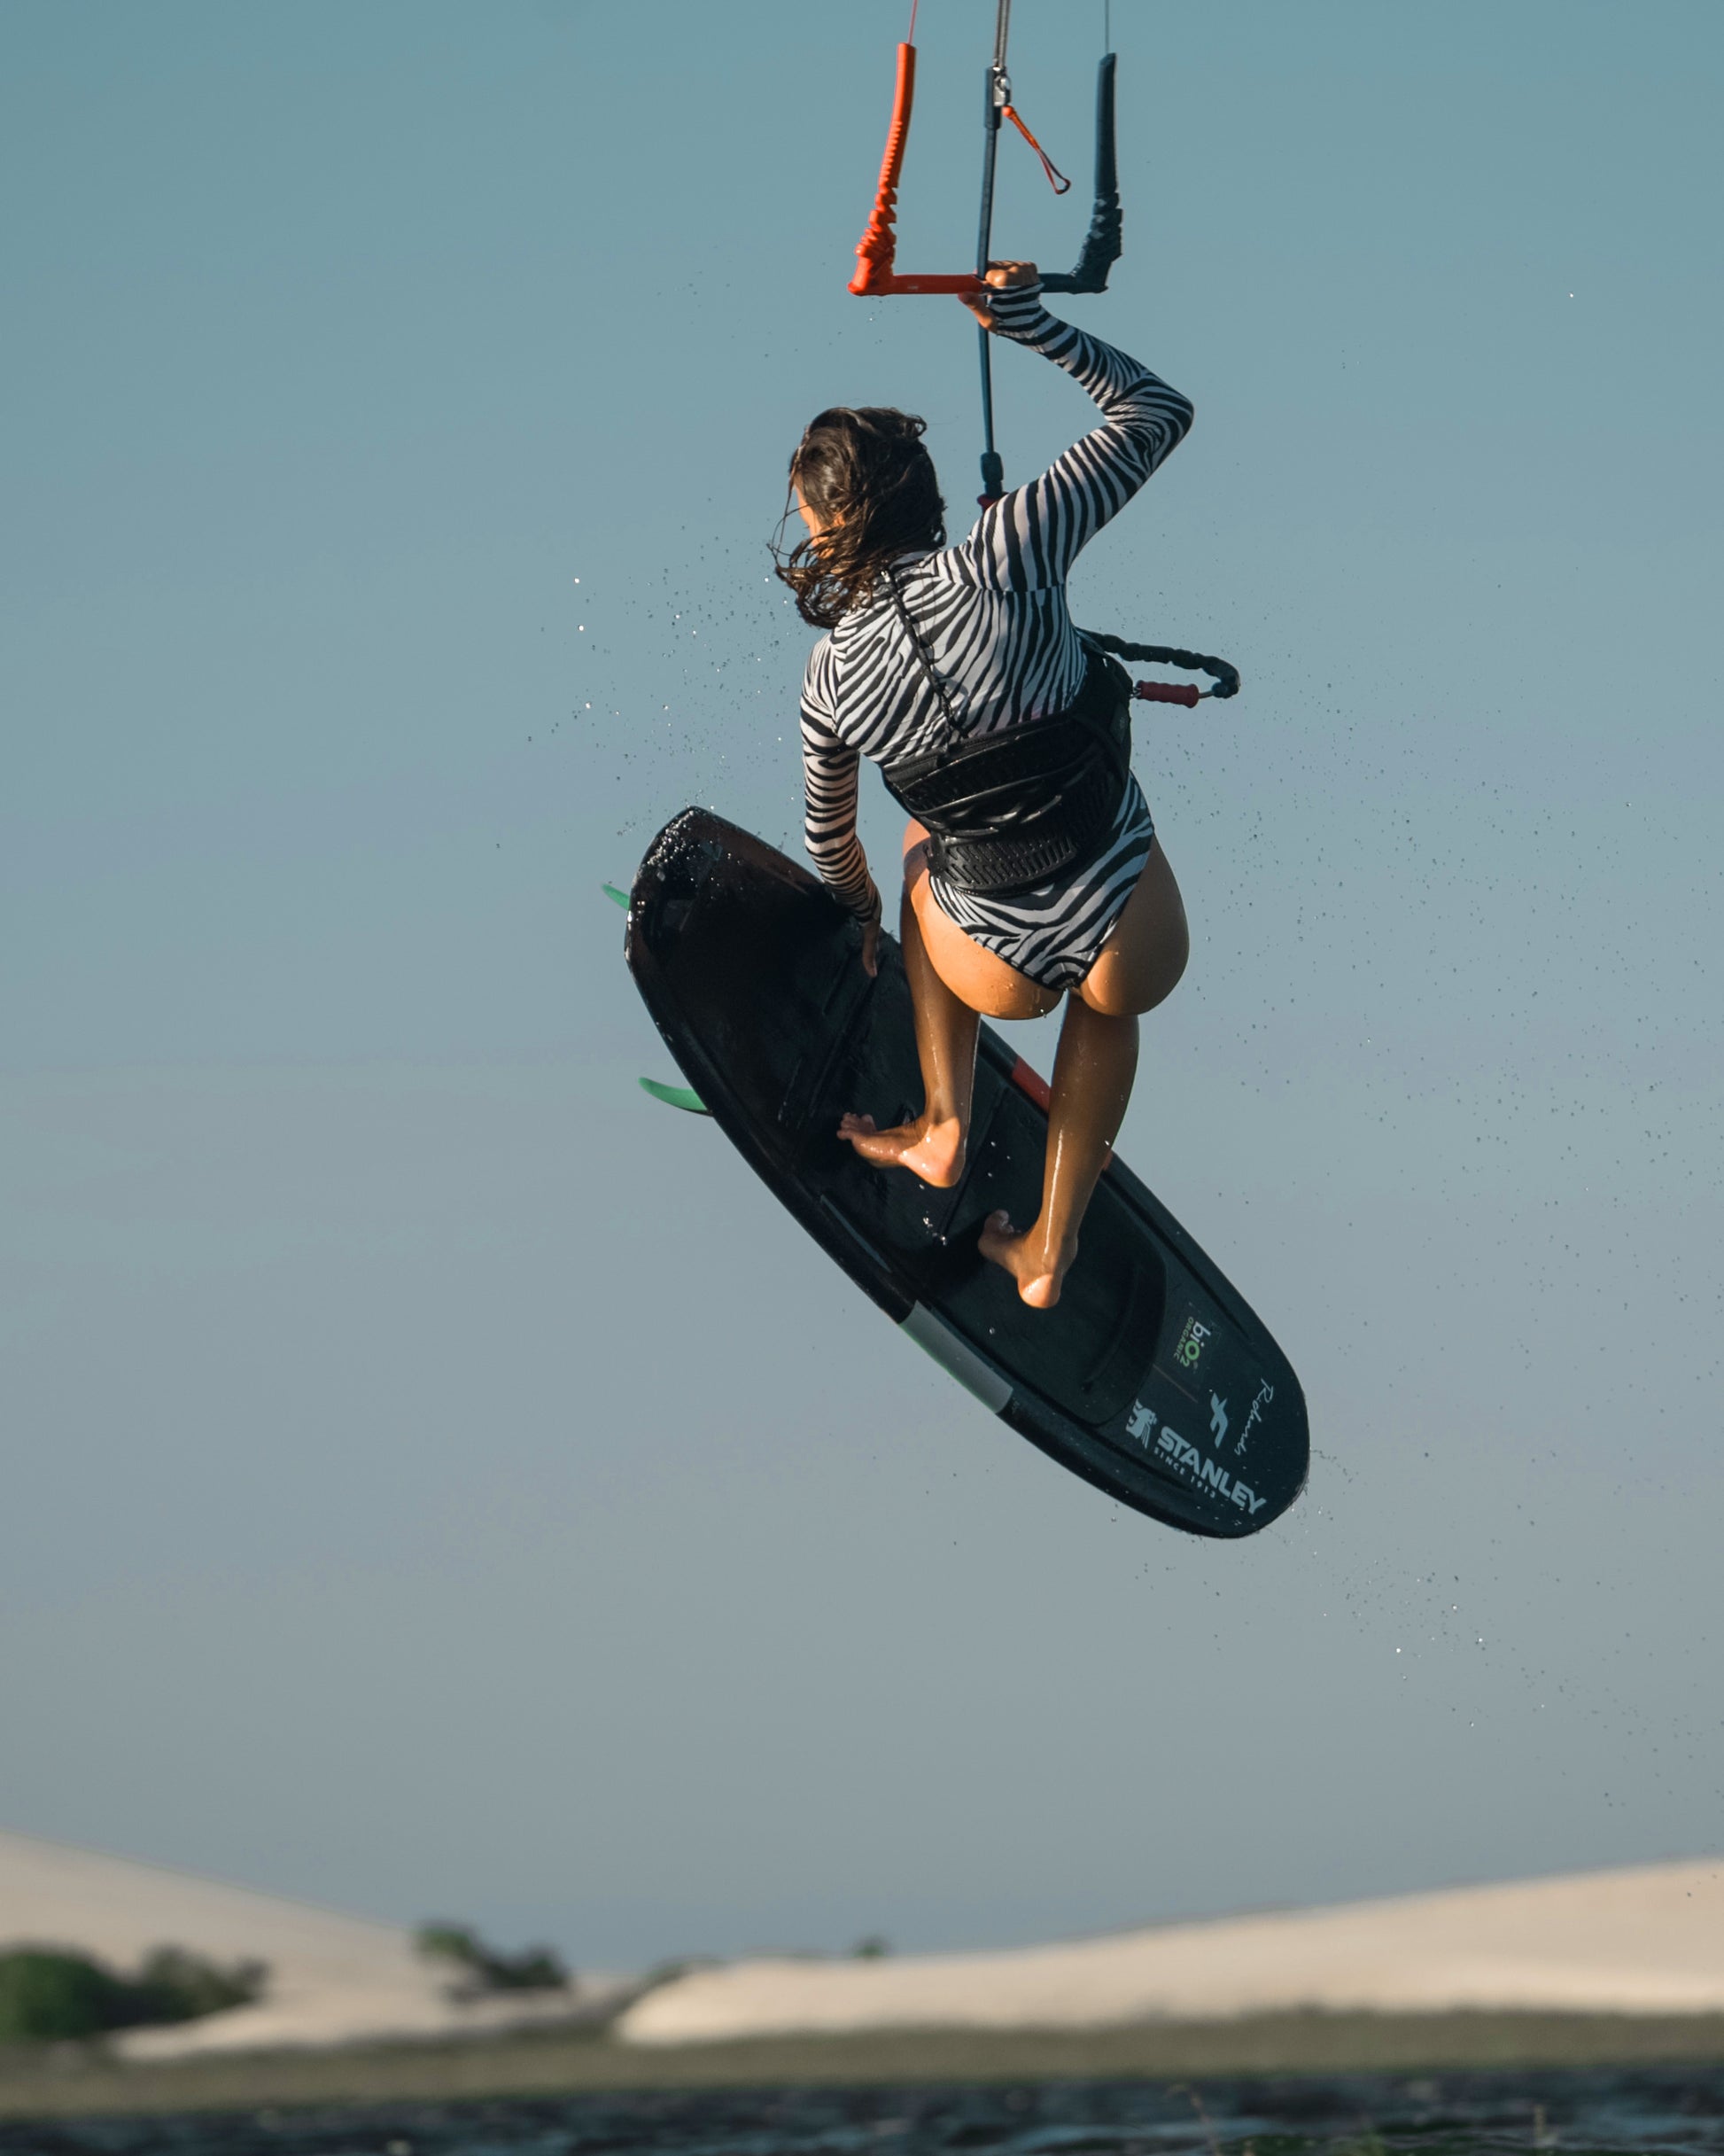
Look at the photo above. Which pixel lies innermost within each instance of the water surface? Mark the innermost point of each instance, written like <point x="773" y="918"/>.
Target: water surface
<point x="1648" y="2109"/>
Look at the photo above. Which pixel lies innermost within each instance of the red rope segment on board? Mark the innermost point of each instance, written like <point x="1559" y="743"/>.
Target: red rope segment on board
<point x="876" y="250"/>
<point x="1056" y="179"/>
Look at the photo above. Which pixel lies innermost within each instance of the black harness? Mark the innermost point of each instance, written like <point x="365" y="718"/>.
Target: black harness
<point x="1007" y="810"/>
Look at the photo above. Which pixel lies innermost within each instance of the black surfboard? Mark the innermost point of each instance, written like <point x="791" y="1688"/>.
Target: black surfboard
<point x="1150" y="1378"/>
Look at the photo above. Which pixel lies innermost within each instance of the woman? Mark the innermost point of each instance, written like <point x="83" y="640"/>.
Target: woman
<point x="930" y="651"/>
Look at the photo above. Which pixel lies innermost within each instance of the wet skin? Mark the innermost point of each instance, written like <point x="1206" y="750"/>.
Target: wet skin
<point x="954" y="983"/>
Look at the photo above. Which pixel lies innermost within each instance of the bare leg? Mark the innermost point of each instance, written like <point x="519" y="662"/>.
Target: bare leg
<point x="932" y="1146"/>
<point x="1092" y="1076"/>
<point x="1138" y="965"/>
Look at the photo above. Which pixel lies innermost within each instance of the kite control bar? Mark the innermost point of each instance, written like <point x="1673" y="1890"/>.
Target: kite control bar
<point x="876" y="250"/>
<point x="1225" y="677"/>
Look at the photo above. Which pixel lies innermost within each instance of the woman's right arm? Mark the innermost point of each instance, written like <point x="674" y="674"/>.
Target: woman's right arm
<point x="1030" y="537"/>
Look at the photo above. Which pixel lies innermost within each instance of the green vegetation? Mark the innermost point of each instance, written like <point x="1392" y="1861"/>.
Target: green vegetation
<point x="50" y="1994"/>
<point x="175" y="1986"/>
<point x="44" y="1994"/>
<point x="482" y="1969"/>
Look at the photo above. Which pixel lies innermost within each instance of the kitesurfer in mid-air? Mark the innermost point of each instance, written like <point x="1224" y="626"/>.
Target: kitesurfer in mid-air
<point x="1031" y="870"/>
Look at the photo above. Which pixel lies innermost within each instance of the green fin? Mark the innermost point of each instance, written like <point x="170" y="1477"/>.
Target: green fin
<point x="611" y="892"/>
<point x="676" y="1097"/>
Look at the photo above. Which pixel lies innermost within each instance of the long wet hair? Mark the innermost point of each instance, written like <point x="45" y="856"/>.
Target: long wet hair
<point x="866" y="474"/>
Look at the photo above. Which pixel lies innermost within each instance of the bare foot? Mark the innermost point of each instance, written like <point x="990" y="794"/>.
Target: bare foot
<point x="1039" y="1273"/>
<point x="934" y="1151"/>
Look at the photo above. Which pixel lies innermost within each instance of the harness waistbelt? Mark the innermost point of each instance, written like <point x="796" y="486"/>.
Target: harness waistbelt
<point x="1007" y="810"/>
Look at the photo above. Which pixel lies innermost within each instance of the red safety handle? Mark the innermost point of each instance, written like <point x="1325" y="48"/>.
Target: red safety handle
<point x="1168" y="692"/>
<point x="876" y="250"/>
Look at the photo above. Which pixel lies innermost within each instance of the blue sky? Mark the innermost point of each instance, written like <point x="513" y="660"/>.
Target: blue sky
<point x="439" y="1480"/>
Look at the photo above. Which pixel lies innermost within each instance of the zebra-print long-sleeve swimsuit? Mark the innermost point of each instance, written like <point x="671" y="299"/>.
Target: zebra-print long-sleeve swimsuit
<point x="992" y="613"/>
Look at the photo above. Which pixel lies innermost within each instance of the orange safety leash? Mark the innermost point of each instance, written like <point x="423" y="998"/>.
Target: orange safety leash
<point x="1056" y="179"/>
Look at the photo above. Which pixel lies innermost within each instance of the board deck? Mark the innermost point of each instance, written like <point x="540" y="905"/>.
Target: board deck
<point x="1152" y="1378"/>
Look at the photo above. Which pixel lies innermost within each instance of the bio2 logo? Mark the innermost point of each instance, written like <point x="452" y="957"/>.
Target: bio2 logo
<point x="1192" y="1341"/>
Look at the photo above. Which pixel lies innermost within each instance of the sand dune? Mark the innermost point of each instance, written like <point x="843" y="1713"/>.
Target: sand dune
<point x="1649" y="1940"/>
<point x="332" y="1978"/>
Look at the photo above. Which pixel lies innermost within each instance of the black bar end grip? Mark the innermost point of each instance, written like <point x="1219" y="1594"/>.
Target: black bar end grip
<point x="1104" y="240"/>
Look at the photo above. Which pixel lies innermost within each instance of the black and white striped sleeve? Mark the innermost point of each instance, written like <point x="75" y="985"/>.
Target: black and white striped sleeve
<point x="830" y="769"/>
<point x="1030" y="537"/>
